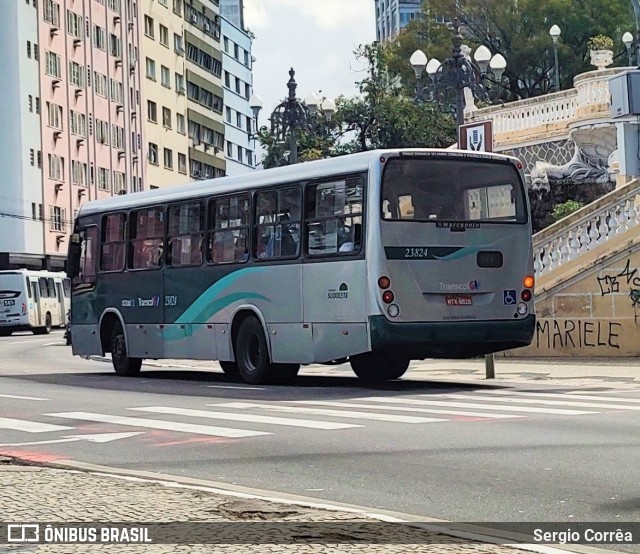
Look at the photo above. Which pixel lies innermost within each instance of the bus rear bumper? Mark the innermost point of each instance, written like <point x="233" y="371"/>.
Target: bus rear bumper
<point x="448" y="339"/>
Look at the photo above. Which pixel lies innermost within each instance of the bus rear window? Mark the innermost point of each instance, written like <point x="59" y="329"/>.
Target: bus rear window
<point x="452" y="190"/>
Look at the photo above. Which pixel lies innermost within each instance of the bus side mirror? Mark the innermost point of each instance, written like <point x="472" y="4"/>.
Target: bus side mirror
<point x="73" y="257"/>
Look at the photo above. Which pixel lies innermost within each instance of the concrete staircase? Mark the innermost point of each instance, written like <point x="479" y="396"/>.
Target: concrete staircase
<point x="587" y="269"/>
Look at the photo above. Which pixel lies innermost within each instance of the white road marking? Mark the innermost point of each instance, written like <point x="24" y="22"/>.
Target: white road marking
<point x="404" y="409"/>
<point x="17" y="397"/>
<point x="332" y="413"/>
<point x="568" y="396"/>
<point x="158" y="424"/>
<point x="99" y="438"/>
<point x="30" y="426"/>
<point x="308" y="423"/>
<point x="476" y="406"/>
<point x="232" y="387"/>
<point x="518" y="400"/>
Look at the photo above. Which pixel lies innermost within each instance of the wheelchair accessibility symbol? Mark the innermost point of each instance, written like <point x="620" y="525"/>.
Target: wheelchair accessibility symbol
<point x="509" y="297"/>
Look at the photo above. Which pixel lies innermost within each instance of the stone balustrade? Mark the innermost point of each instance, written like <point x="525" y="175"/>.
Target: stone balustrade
<point x="587" y="228"/>
<point x="551" y="115"/>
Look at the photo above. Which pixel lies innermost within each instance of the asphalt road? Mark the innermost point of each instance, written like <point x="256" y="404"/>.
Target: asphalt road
<point x="475" y="453"/>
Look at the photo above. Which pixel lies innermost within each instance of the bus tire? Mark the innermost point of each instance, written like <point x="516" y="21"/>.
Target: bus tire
<point x="230" y="368"/>
<point x="376" y="367"/>
<point x="5" y="332"/>
<point x="252" y="353"/>
<point x="122" y="363"/>
<point x="47" y="326"/>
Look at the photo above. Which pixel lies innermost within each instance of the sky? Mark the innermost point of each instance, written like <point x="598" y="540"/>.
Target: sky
<point x="315" y="37"/>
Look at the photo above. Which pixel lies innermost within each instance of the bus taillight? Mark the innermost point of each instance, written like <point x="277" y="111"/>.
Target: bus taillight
<point x="528" y="282"/>
<point x="24" y="309"/>
<point x="526" y="295"/>
<point x="384" y="282"/>
<point x="387" y="297"/>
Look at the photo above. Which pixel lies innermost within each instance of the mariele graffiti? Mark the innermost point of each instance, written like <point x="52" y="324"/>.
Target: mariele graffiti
<point x="577" y="333"/>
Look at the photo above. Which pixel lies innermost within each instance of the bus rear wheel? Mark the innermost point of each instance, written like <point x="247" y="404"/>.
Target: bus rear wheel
<point x="252" y="357"/>
<point x="47" y="326"/>
<point x="122" y="363"/>
<point x="376" y="367"/>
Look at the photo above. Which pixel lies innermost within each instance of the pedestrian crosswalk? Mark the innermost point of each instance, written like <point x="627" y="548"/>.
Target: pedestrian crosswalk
<point x="264" y="417"/>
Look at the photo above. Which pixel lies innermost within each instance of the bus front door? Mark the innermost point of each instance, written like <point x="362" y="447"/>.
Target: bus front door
<point x="62" y="309"/>
<point x="37" y="311"/>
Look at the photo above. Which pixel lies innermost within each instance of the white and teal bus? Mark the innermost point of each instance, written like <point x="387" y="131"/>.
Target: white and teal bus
<point x="377" y="258"/>
<point x="32" y="300"/>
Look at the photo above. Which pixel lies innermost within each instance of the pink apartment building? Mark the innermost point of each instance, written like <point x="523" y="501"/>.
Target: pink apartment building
<point x="84" y="57"/>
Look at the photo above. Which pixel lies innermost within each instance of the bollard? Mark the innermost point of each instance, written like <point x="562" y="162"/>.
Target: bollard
<point x="489" y="366"/>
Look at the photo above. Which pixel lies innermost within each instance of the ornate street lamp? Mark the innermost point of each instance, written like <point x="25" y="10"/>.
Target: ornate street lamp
<point x="555" y="34"/>
<point x="457" y="73"/>
<point x="291" y="116"/>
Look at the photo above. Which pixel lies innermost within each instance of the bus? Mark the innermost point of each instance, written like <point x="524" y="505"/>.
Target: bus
<point x="376" y="258"/>
<point x="33" y="301"/>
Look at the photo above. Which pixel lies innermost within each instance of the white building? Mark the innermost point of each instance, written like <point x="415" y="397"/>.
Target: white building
<point x="237" y="82"/>
<point x="21" y="194"/>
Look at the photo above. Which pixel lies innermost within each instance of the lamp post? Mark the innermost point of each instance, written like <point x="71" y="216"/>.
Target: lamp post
<point x="291" y="116"/>
<point x="627" y="38"/>
<point x="457" y="73"/>
<point x="555" y="34"/>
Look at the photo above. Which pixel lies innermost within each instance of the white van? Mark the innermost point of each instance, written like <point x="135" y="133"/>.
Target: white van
<point x="33" y="301"/>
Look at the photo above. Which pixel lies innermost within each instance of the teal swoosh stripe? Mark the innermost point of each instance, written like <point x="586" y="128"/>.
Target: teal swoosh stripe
<point x="211" y="301"/>
<point x="209" y="310"/>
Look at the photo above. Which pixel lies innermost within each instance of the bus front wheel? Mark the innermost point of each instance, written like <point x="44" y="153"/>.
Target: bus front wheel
<point x="122" y="363"/>
<point x="252" y="357"/>
<point x="375" y="367"/>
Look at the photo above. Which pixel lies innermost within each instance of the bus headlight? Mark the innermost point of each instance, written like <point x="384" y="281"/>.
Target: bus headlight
<point x="522" y="308"/>
<point x="393" y="310"/>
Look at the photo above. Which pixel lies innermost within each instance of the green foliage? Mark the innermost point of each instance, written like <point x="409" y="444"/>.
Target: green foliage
<point x="379" y="117"/>
<point x="600" y="42"/>
<point x="520" y="32"/>
<point x="565" y="209"/>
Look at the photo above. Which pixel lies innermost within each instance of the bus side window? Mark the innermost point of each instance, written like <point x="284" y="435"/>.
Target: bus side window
<point x="42" y="283"/>
<point x="88" y="256"/>
<point x="146" y="233"/>
<point x="228" y="237"/>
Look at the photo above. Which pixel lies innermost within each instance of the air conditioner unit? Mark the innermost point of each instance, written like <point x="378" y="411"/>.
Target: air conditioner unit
<point x="194" y="18"/>
<point x="207" y="27"/>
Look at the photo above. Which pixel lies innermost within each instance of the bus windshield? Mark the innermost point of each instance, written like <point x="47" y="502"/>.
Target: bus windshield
<point x="427" y="189"/>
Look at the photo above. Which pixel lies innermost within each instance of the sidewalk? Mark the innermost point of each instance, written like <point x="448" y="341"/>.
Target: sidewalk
<point x="30" y="494"/>
<point x="612" y="373"/>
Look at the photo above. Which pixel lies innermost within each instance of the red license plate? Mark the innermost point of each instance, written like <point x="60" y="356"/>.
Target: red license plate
<point x="458" y="300"/>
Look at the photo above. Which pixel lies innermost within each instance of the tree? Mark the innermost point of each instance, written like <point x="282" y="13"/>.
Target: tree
<point x="519" y="30"/>
<point x="379" y="117"/>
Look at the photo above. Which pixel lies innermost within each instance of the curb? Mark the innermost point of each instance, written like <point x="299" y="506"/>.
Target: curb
<point x="468" y="532"/>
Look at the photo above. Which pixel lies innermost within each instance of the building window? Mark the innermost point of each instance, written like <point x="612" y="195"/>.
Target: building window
<point x="177" y="7"/>
<point x="52" y="65"/>
<point x="163" y="3"/>
<point x="238" y="120"/>
<point x="56" y="167"/>
<point x="114" y="5"/>
<point x="117" y="91"/>
<point x="103" y="178"/>
<point x="118" y="183"/>
<point x="168" y="158"/>
<point x="228" y="114"/>
<point x="149" y="27"/>
<point x="226" y="44"/>
<point x="182" y="163"/>
<point x="100" y="84"/>
<point x="102" y="132"/>
<point x="247" y="91"/>
<point x="250" y="158"/>
<point x="79" y="173"/>
<point x="165" y="76"/>
<point x="179" y="83"/>
<point x="227" y="79"/>
<point x="240" y="154"/>
<point x="238" y="85"/>
<point x="166" y="117"/>
<point x="76" y="74"/>
<point x="151" y="69"/>
<point x="57" y="216"/>
<point x="99" y="37"/>
<point x="78" y="123"/>
<point x="164" y="36"/>
<point x="177" y="44"/>
<point x="74" y="24"/>
<point x="152" y="111"/>
<point x="117" y="137"/>
<point x="180" y="124"/>
<point x="236" y="51"/>
<point x="246" y="59"/>
<point x="229" y="149"/>
<point x="153" y="153"/>
<point x="55" y="115"/>
<point x="29" y="49"/>
<point x="115" y="46"/>
<point x="52" y="12"/>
